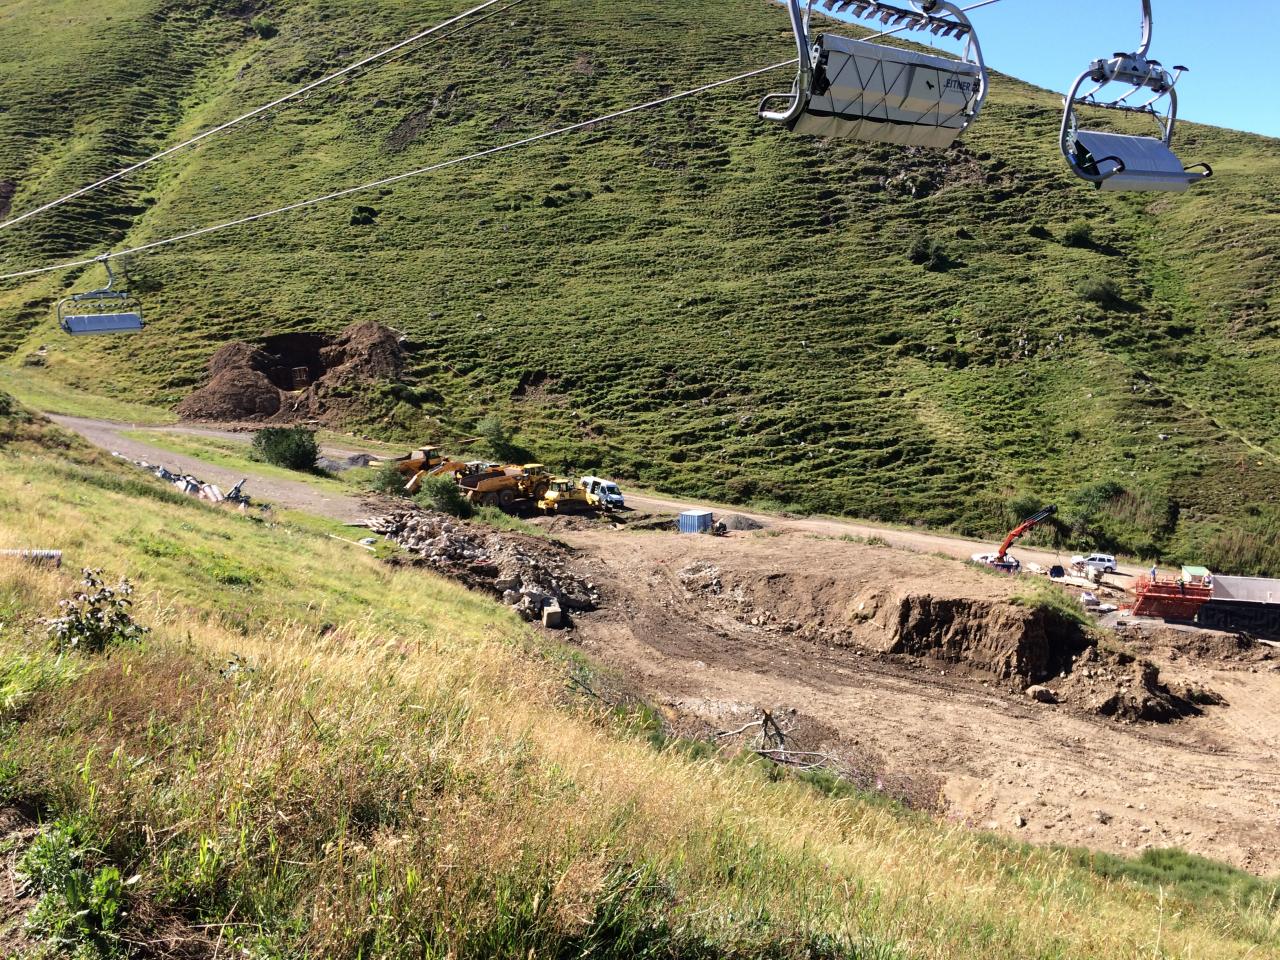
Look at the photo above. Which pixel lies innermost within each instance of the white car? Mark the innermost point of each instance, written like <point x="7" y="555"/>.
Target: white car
<point x="1095" y="561"/>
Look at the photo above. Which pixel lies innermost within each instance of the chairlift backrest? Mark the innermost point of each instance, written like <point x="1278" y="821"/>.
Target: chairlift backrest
<point x="1120" y="162"/>
<point x="103" y="311"/>
<point x="859" y="89"/>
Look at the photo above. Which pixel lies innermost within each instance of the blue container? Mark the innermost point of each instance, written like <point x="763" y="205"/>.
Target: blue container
<point x="696" y="521"/>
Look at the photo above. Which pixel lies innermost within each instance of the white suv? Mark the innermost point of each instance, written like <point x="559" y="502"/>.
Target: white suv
<point x="1095" y="561"/>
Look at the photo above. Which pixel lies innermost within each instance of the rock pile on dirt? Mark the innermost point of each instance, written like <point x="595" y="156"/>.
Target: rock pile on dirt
<point x="736" y="521"/>
<point x="1117" y="685"/>
<point x="524" y="572"/>
<point x="296" y="377"/>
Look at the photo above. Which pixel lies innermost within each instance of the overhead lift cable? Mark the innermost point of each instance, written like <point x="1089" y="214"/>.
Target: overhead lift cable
<point x="420" y="171"/>
<point x="257" y="112"/>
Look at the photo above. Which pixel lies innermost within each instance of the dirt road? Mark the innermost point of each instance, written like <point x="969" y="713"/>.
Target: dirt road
<point x="301" y="496"/>
<point x="289" y="494"/>
<point x="917" y="540"/>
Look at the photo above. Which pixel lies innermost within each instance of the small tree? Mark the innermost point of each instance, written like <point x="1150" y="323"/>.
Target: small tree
<point x="1078" y="234"/>
<point x="95" y="617"/>
<point x="1104" y="291"/>
<point x="499" y="437"/>
<point x="443" y="495"/>
<point x="294" y="448"/>
<point x="263" y="27"/>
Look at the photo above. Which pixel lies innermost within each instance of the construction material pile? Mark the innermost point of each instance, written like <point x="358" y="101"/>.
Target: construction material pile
<point x="526" y="573"/>
<point x="192" y="486"/>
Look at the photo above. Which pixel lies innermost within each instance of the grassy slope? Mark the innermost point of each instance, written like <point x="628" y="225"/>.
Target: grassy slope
<point x="401" y="773"/>
<point x="704" y="304"/>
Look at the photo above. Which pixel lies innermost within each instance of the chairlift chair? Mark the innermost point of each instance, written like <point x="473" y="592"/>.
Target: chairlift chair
<point x="862" y="90"/>
<point x="100" y="311"/>
<point x="1115" y="161"/>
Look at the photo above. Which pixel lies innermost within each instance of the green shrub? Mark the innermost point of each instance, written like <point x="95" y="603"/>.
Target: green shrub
<point x="444" y="495"/>
<point x="1104" y="291"/>
<point x="96" y="617"/>
<point x="1078" y="234"/>
<point x="80" y="909"/>
<point x="263" y="26"/>
<point x="930" y="254"/>
<point x="294" y="448"/>
<point x="498" y="437"/>
<point x="387" y="479"/>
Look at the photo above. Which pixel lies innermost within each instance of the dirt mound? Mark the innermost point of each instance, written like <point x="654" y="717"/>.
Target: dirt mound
<point x="736" y="521"/>
<point x="239" y="356"/>
<point x="992" y="638"/>
<point x="524" y="572"/>
<point x="296" y="376"/>
<point x="1114" y="684"/>
<point x="365" y="350"/>
<point x="1225" y="649"/>
<point x="235" y="393"/>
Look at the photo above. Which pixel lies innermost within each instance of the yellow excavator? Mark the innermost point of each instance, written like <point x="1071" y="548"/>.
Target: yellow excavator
<point x="431" y="462"/>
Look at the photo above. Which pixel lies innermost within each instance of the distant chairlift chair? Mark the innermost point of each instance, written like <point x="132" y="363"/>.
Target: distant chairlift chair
<point x="861" y="90"/>
<point x="1114" y="161"/>
<point x="100" y="311"/>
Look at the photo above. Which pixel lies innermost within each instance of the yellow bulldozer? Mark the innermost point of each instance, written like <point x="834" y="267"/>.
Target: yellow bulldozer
<point x="565" y="496"/>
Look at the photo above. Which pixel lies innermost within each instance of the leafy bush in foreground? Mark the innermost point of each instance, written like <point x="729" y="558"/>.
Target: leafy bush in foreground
<point x="443" y="494"/>
<point x="96" y="617"/>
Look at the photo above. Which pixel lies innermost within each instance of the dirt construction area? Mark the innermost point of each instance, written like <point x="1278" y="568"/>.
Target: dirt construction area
<point x="913" y="665"/>
<point x="921" y="666"/>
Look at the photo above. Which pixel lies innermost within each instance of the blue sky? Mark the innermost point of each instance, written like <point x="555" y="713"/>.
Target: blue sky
<point x="1230" y="46"/>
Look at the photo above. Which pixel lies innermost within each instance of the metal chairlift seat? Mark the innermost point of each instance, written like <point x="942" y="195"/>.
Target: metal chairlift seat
<point x="1122" y="162"/>
<point x="857" y="89"/>
<point x="105" y="311"/>
<point x="1131" y="163"/>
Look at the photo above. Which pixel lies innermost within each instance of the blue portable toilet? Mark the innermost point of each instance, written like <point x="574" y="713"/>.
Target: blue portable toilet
<point x="696" y="521"/>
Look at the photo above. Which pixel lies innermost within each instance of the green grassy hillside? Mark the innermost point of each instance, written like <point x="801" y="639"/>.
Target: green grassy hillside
<point x="690" y="299"/>
<point x="314" y="754"/>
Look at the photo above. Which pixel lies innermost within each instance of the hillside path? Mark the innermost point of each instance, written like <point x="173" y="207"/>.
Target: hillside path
<point x="289" y="494"/>
<point x="300" y="495"/>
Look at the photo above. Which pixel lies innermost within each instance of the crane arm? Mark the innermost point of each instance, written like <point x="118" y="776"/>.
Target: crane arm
<point x="1023" y="527"/>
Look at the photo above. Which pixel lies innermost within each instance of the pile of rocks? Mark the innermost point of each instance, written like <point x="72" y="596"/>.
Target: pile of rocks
<point x="527" y="574"/>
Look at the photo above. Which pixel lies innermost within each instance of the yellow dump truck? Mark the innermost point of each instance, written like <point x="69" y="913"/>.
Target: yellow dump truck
<point x="504" y="486"/>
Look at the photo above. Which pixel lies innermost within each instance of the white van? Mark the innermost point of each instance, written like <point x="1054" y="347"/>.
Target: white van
<point x="604" y="493"/>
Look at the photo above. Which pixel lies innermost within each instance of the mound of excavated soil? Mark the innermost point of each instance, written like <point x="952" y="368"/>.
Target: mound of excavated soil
<point x="991" y="637"/>
<point x="986" y="637"/>
<point x="240" y="356"/>
<point x="295" y="377"/>
<point x="1117" y="685"/>
<point x="234" y="393"/>
<point x="736" y="521"/>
